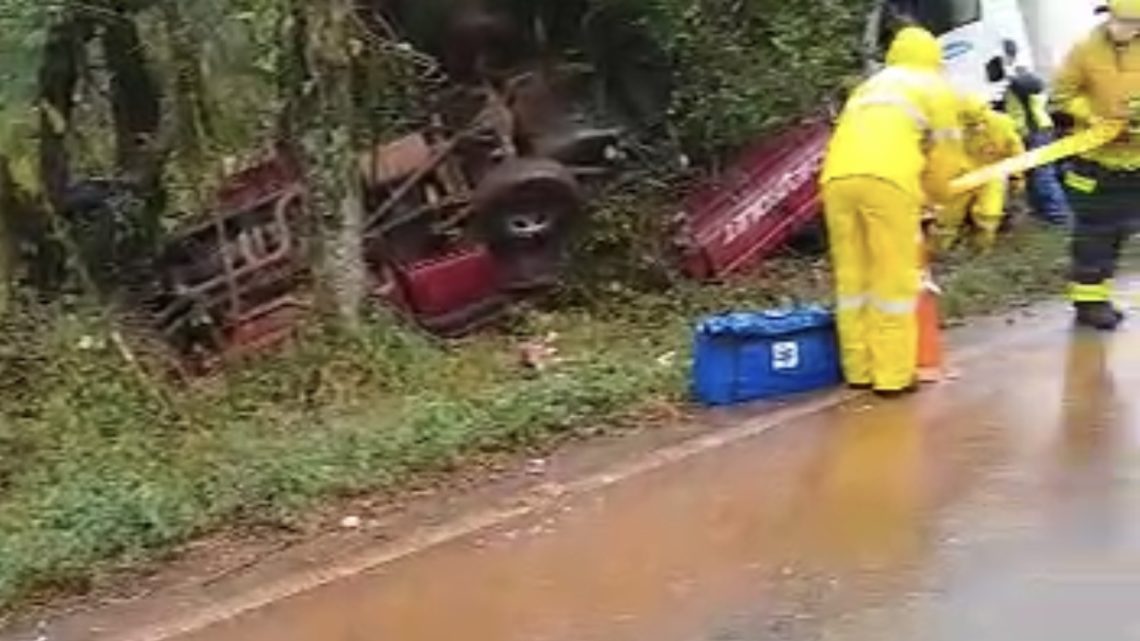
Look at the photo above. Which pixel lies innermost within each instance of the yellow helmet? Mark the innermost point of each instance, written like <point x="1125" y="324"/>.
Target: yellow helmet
<point x="974" y="109"/>
<point x="917" y="48"/>
<point x="1124" y="9"/>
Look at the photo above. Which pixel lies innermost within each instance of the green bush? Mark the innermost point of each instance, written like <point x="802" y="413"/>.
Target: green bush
<point x="744" y="67"/>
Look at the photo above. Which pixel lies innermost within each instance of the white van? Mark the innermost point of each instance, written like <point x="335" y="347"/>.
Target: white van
<point x="974" y="32"/>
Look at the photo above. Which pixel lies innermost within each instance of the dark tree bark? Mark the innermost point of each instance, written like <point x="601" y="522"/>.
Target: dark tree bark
<point x="192" y="114"/>
<point x="293" y="75"/>
<point x="83" y="204"/>
<point x="8" y="207"/>
<point x="58" y="79"/>
<point x="135" y="95"/>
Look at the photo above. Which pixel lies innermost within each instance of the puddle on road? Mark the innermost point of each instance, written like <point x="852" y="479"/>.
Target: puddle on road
<point x="831" y="520"/>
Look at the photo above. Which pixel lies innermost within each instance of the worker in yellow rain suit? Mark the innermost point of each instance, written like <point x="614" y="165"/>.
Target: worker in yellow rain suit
<point x="990" y="137"/>
<point x="1100" y="80"/>
<point x="897" y="143"/>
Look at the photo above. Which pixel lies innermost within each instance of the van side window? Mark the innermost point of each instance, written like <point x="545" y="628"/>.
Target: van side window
<point x="944" y="16"/>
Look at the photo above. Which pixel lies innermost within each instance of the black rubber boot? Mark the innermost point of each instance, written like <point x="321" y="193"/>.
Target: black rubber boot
<point x="1099" y="316"/>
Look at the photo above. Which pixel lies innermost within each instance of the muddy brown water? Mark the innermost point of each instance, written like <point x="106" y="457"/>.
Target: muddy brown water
<point x="1004" y="505"/>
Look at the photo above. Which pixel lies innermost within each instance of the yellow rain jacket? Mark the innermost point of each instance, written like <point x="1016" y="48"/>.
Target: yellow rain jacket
<point x="1096" y="82"/>
<point x="901" y="125"/>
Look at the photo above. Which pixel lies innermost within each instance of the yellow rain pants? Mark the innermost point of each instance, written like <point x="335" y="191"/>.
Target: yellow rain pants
<point x="984" y="207"/>
<point x="873" y="226"/>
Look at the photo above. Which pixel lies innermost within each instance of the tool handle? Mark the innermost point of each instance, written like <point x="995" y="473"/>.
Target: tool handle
<point x="1085" y="141"/>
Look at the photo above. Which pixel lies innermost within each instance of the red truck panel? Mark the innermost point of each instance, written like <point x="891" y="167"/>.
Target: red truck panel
<point x="444" y="284"/>
<point x="449" y="295"/>
<point x="768" y="194"/>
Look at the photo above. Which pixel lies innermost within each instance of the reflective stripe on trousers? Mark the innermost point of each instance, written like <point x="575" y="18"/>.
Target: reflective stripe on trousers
<point x="1107" y="213"/>
<point x="1098" y="293"/>
<point x="863" y="301"/>
<point x="851" y="303"/>
<point x="900" y="307"/>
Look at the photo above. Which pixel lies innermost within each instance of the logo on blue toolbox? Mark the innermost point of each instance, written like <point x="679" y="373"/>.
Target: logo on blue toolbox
<point x="785" y="356"/>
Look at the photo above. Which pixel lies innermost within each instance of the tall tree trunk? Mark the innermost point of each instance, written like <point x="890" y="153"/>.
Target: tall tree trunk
<point x="190" y="107"/>
<point x="330" y="151"/>
<point x="7" y="242"/>
<point x="293" y="74"/>
<point x="135" y="95"/>
<point x="58" y="78"/>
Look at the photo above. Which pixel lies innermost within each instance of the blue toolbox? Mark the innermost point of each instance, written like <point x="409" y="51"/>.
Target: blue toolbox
<point x="742" y="357"/>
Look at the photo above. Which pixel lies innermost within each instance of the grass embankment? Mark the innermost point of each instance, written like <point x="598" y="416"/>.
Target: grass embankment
<point x="96" y="471"/>
<point x="1030" y="265"/>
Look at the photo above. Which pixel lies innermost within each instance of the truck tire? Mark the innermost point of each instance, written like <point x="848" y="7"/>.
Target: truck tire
<point x="526" y="200"/>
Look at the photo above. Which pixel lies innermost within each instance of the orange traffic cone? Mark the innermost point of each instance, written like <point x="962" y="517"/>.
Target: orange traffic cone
<point x="930" y="353"/>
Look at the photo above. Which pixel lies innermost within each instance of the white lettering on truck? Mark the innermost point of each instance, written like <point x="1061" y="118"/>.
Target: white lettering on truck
<point x="768" y="200"/>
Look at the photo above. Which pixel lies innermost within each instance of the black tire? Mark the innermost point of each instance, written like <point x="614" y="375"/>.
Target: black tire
<point x="525" y="201"/>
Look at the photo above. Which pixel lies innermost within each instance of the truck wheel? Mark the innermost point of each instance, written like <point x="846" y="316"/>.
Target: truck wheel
<point x="524" y="201"/>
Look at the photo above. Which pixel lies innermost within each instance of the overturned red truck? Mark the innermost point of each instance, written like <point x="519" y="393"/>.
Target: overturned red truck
<point x="462" y="218"/>
<point x="462" y="222"/>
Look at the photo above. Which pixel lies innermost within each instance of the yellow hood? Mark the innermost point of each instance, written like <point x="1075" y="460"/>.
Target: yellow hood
<point x="917" y="48"/>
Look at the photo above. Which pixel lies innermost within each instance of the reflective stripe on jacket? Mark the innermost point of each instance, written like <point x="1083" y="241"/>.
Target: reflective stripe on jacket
<point x="901" y="125"/>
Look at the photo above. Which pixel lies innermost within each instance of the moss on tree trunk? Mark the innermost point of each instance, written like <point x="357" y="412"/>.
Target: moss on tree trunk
<point x="329" y="148"/>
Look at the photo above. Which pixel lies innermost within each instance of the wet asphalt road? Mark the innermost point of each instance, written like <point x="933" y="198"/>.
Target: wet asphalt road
<point x="1004" y="505"/>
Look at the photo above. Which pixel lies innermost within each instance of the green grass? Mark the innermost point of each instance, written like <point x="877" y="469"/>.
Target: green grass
<point x="1028" y="266"/>
<point x="97" y="471"/>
